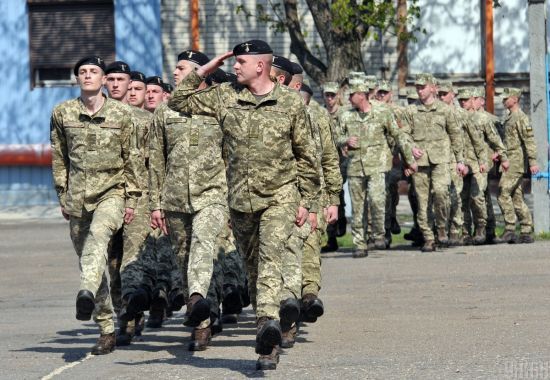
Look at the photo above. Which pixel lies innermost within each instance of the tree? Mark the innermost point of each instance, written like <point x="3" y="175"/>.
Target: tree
<point x="342" y="26"/>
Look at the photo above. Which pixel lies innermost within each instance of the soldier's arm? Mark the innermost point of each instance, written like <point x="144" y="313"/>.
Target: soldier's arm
<point x="477" y="142"/>
<point x="132" y="161"/>
<point x="157" y="160"/>
<point x="455" y="134"/>
<point x="400" y="137"/>
<point x="60" y="157"/>
<point x="330" y="163"/>
<point x="342" y="132"/>
<point x="307" y="164"/>
<point x="188" y="100"/>
<point x="494" y="140"/>
<point x="526" y="132"/>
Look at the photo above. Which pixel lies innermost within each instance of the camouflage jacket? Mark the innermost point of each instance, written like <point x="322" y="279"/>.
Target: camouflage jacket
<point x="474" y="146"/>
<point x="331" y="179"/>
<point x="268" y="143"/>
<point x="186" y="167"/>
<point x="485" y="125"/>
<point x="434" y="129"/>
<point x="373" y="130"/>
<point x="142" y="121"/>
<point x="519" y="141"/>
<point x="93" y="156"/>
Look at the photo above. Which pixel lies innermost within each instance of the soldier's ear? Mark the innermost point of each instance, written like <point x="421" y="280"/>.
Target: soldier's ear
<point x="104" y="80"/>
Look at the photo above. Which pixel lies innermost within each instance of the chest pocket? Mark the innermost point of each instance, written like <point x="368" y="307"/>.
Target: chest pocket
<point x="76" y="135"/>
<point x="234" y="121"/>
<point x="438" y="124"/>
<point x="108" y="135"/>
<point x="375" y="133"/>
<point x="175" y="131"/>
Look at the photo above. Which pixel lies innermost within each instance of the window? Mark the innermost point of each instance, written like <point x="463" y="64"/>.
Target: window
<point x="63" y="31"/>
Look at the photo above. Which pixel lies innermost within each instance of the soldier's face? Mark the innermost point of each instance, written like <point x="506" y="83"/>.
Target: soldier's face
<point x="383" y="96"/>
<point x="357" y="98"/>
<point x="330" y="99"/>
<point x="183" y="69"/>
<point x="90" y="78"/>
<point x="466" y="103"/>
<point x="248" y="67"/>
<point x="479" y="102"/>
<point x="510" y="101"/>
<point x="154" y="97"/>
<point x="166" y="96"/>
<point x="117" y="85"/>
<point x="425" y="92"/>
<point x="136" y="94"/>
<point x="446" y="97"/>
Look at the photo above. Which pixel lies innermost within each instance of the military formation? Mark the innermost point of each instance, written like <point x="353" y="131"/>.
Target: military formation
<point x="216" y="195"/>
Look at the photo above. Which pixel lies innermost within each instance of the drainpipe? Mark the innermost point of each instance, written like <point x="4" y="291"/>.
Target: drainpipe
<point x="489" y="58"/>
<point x="25" y="155"/>
<point x="194" y="7"/>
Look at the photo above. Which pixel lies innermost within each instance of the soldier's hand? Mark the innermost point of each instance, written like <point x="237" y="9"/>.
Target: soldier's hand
<point x="301" y="216"/>
<point x="534" y="169"/>
<point x="128" y="215"/>
<point x="505" y="165"/>
<point x="417" y="153"/>
<point x="157" y="221"/>
<point x="345" y="151"/>
<point x="411" y="169"/>
<point x="214" y="63"/>
<point x="352" y="142"/>
<point x="312" y="221"/>
<point x="461" y="169"/>
<point x="331" y="214"/>
<point x="494" y="157"/>
<point x="65" y="215"/>
<point x="482" y="168"/>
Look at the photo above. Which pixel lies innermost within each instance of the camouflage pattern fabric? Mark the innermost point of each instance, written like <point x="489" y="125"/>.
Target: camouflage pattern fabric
<point x="311" y="259"/>
<point x="292" y="262"/>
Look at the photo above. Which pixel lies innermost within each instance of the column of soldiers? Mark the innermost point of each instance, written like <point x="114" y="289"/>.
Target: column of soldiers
<point x="216" y="194"/>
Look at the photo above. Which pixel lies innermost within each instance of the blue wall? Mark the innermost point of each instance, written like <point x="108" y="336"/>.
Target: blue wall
<point x="25" y="113"/>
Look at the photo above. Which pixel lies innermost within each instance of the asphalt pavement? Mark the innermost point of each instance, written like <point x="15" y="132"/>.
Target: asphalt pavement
<point x="461" y="313"/>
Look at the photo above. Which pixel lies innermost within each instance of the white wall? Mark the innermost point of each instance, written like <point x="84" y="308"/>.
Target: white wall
<point x="511" y="37"/>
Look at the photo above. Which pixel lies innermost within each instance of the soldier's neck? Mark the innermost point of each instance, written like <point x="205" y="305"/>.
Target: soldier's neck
<point x="514" y="108"/>
<point x="261" y="86"/>
<point x="428" y="102"/>
<point x="364" y="106"/>
<point x="93" y="102"/>
<point x="332" y="109"/>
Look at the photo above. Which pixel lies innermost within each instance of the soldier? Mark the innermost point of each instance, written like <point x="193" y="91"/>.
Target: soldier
<point x="167" y="89"/>
<point x="92" y="155"/>
<point x="137" y="90"/>
<point x="432" y="126"/>
<point x="520" y="146"/>
<point x="331" y="96"/>
<point x="155" y="93"/>
<point x="365" y="130"/>
<point x="188" y="188"/>
<point x="272" y="172"/>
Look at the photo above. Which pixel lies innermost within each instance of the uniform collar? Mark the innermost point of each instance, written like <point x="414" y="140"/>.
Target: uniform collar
<point x="246" y="96"/>
<point x="100" y="114"/>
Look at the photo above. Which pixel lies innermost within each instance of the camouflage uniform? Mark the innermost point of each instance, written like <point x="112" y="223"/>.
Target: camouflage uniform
<point x="368" y="165"/>
<point x="433" y="128"/>
<point x="187" y="179"/>
<point x="94" y="165"/>
<point x="520" y="146"/>
<point x="271" y="169"/>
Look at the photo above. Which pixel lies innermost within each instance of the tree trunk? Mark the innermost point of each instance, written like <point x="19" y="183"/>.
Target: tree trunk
<point x="344" y="56"/>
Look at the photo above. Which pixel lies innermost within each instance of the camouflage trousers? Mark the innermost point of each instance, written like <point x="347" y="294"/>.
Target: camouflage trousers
<point x="456" y="216"/>
<point x="311" y="259"/>
<point x="162" y="263"/>
<point x="491" y="219"/>
<point x="292" y="262"/>
<point x="392" y="194"/>
<point x="432" y="180"/>
<point x="261" y="237"/>
<point x="195" y="240"/>
<point x="91" y="234"/>
<point x="367" y="192"/>
<point x="215" y="291"/>
<point x="510" y="200"/>
<point x="474" y="206"/>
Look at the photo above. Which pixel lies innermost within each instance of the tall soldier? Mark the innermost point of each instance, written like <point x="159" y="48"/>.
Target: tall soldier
<point x="189" y="196"/>
<point x="94" y="171"/>
<point x="272" y="172"/>
<point x="521" y="147"/>
<point x="432" y="127"/>
<point x="365" y="131"/>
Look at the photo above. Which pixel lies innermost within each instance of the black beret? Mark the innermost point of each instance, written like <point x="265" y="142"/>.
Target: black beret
<point x="296" y="68"/>
<point x="252" y="47"/>
<point x="194" y="56"/>
<point x="155" y="80"/>
<point x="167" y="87"/>
<point x="306" y="88"/>
<point x="282" y="63"/>
<point x="93" y="60"/>
<point x="218" y="76"/>
<point x="118" y="67"/>
<point x="137" y="76"/>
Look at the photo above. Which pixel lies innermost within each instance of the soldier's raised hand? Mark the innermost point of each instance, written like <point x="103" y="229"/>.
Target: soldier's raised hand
<point x="214" y="64"/>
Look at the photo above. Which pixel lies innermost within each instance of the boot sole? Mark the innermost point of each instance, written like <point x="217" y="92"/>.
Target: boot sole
<point x="84" y="309"/>
<point x="315" y="310"/>
<point x="200" y="311"/>
<point x="289" y="313"/>
<point x="268" y="338"/>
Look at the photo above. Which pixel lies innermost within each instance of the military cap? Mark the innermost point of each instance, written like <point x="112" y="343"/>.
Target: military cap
<point x="282" y="63"/>
<point x="118" y="67"/>
<point x="252" y="47"/>
<point x="194" y="56"/>
<point x="296" y="68"/>
<point x="384" y="86"/>
<point x="371" y="81"/>
<point x="93" y="60"/>
<point x="445" y="86"/>
<point x="357" y="85"/>
<point x="511" y="91"/>
<point x="331" y="87"/>
<point x="423" y="79"/>
<point x="478" y="92"/>
<point x="412" y="94"/>
<point x="465" y="93"/>
<point x="218" y="76"/>
<point x="356" y="75"/>
<point x="306" y="88"/>
<point x="167" y="87"/>
<point x="155" y="80"/>
<point x="137" y="76"/>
